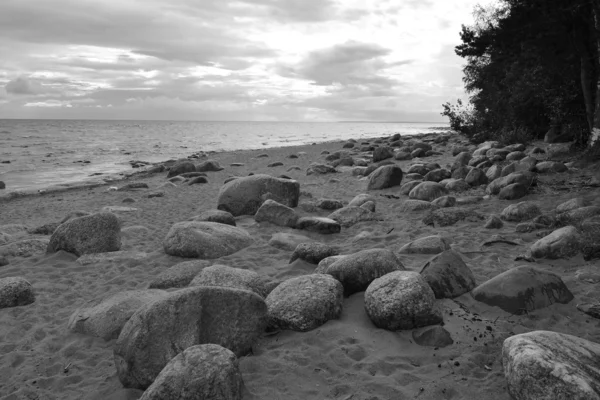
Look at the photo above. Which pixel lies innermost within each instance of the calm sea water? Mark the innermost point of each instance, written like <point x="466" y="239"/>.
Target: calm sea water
<point x="45" y="153"/>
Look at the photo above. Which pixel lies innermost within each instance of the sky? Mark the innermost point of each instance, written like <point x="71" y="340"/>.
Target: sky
<point x="234" y="60"/>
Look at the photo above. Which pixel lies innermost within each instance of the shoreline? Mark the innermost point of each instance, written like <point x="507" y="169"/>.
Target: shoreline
<point x="143" y="171"/>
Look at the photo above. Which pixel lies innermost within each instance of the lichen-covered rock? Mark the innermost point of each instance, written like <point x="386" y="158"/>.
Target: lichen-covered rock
<point x="519" y="212"/>
<point x="551" y="365"/>
<point x="356" y="271"/>
<point x="179" y="275"/>
<point x="275" y="213"/>
<point x="220" y="216"/>
<point x="563" y="242"/>
<point x="319" y="224"/>
<point x="244" y="196"/>
<point x="313" y="252"/>
<point x="522" y="289"/>
<point x="160" y="330"/>
<point x="427" y="191"/>
<point x="305" y="302"/>
<point x="104" y="317"/>
<point x="96" y="233"/>
<point x="385" y="177"/>
<point x="448" y="275"/>
<point x="236" y="278"/>
<point x="15" y="291"/>
<point x="200" y="372"/>
<point x="401" y="300"/>
<point x="205" y="240"/>
<point x="426" y="245"/>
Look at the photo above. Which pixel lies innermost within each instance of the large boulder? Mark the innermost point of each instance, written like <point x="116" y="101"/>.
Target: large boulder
<point x="401" y="300"/>
<point x="96" y="233"/>
<point x="427" y="191"/>
<point x="356" y="271"/>
<point x="201" y="372"/>
<point x="561" y="243"/>
<point x="551" y="365"/>
<point x="244" y="196"/>
<point x="236" y="278"/>
<point x="385" y="177"/>
<point x="437" y="175"/>
<point x="305" y="302"/>
<point x="457" y="185"/>
<point x="448" y="275"/>
<point x="513" y="192"/>
<point x="15" y="291"/>
<point x="426" y="245"/>
<point x="160" y="330"/>
<point x="313" y="252"/>
<point x="476" y="177"/>
<point x="522" y="289"/>
<point x="276" y="213"/>
<point x="179" y="275"/>
<point x="104" y="317"/>
<point x="519" y="212"/>
<point x="382" y="153"/>
<point x="181" y="168"/>
<point x="572" y="204"/>
<point x="205" y="240"/>
<point x="578" y="215"/>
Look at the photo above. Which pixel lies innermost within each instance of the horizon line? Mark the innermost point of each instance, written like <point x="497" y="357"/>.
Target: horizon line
<point x="194" y="120"/>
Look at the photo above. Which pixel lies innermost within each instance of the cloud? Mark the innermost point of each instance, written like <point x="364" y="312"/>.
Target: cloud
<point x="19" y="86"/>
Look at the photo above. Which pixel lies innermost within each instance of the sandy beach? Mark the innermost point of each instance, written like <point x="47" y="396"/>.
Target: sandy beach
<point x="348" y="358"/>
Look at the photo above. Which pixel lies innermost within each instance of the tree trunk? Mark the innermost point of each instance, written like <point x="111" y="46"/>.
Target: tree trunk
<point x="595" y="133"/>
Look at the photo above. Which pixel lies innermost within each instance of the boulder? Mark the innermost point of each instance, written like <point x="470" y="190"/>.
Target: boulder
<point x="476" y="177"/>
<point x="104" y="317"/>
<point x="420" y="169"/>
<point x="360" y="199"/>
<point x="96" y="233"/>
<point x="561" y="243"/>
<point x="457" y="185"/>
<point x="513" y="192"/>
<point x="416" y="205"/>
<point x="179" y="275"/>
<point x="401" y="300"/>
<point x="277" y="214"/>
<point x="407" y="187"/>
<point x="228" y="277"/>
<point x="356" y="271"/>
<point x="160" y="330"/>
<point x="15" y="291"/>
<point x="551" y="365"/>
<point x="24" y="248"/>
<point x="578" y="215"/>
<point x="426" y="245"/>
<point x="546" y="167"/>
<point x="448" y="275"/>
<point x="205" y="240"/>
<point x="572" y="204"/>
<point x="349" y="216"/>
<point x="209" y="166"/>
<point x="305" y="302"/>
<point x="220" y="216"/>
<point x="181" y="168"/>
<point x="206" y="371"/>
<point x="329" y="204"/>
<point x="524" y="178"/>
<point x="515" y="156"/>
<point x="313" y="252"/>
<point x="462" y="158"/>
<point x="320" y="169"/>
<point x="437" y="175"/>
<point x="493" y="222"/>
<point x="403" y="156"/>
<point x="461" y="172"/>
<point x="523" y="289"/>
<point x="319" y="225"/>
<point x="427" y="191"/>
<point x="519" y="212"/>
<point x="493" y="172"/>
<point x="382" y="153"/>
<point x="244" y="196"/>
<point x="385" y="177"/>
<point x="444" y="202"/>
<point x="432" y="336"/>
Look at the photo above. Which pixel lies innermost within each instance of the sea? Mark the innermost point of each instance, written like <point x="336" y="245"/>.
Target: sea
<point x="37" y="154"/>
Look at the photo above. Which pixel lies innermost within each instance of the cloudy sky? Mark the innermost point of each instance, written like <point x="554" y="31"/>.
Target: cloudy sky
<point x="256" y="60"/>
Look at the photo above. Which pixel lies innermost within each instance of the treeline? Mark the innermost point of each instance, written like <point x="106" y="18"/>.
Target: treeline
<point x="532" y="67"/>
